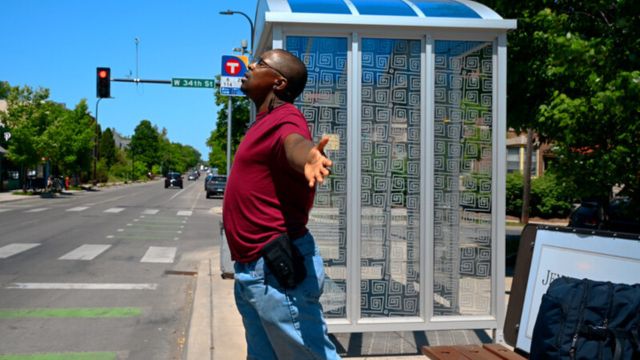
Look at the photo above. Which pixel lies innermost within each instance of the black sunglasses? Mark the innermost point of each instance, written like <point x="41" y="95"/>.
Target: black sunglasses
<point x="261" y="63"/>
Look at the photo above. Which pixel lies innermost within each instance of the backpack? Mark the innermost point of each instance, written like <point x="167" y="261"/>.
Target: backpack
<point x="586" y="319"/>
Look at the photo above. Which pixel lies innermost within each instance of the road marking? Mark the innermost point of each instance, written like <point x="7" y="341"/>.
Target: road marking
<point x="4" y="210"/>
<point x="66" y="356"/>
<point x="36" y="210"/>
<point x="114" y="210"/>
<point x="12" y="249"/>
<point x="178" y="193"/>
<point x="78" y="208"/>
<point x="115" y="312"/>
<point x="110" y="236"/>
<point x="150" y="211"/>
<point x="159" y="254"/>
<point x="81" y="286"/>
<point x="85" y="252"/>
<point x="184" y="213"/>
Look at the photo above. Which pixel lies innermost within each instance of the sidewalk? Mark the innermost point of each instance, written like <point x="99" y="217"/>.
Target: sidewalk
<point x="216" y="330"/>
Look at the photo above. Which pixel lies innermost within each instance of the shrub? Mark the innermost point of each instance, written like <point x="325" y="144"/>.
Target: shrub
<point x="514" y="194"/>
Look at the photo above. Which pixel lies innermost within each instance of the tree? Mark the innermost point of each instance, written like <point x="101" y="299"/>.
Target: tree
<point x="145" y="144"/>
<point x="574" y="77"/>
<point x="108" y="148"/>
<point x="68" y="141"/>
<point x="217" y="142"/>
<point x="27" y="117"/>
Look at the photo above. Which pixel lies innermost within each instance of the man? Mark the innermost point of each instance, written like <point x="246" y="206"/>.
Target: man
<point x="269" y="193"/>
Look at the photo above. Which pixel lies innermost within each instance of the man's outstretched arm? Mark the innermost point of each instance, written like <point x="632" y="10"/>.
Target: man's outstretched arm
<point x="308" y="158"/>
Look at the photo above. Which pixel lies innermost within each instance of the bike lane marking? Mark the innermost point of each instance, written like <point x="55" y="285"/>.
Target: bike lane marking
<point x="47" y="313"/>
<point x="62" y="356"/>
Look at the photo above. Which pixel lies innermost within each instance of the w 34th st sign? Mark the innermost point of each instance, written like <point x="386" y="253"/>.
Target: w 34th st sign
<point x="233" y="69"/>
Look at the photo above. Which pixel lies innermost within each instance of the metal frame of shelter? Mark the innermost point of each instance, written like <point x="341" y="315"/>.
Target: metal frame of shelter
<point x="413" y="93"/>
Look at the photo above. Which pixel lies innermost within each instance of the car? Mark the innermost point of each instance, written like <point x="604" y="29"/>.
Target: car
<point x="206" y="180"/>
<point x="589" y="215"/>
<point x="173" y="179"/>
<point x="215" y="185"/>
<point x="193" y="176"/>
<point x="622" y="214"/>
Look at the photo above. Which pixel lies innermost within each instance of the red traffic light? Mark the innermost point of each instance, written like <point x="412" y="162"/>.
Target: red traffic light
<point x="103" y="82"/>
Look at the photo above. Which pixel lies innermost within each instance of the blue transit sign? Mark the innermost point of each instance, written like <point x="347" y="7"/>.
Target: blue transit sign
<point x="233" y="69"/>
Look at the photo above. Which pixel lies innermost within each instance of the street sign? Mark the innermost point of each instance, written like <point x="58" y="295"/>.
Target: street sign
<point x="233" y="69"/>
<point x="193" y="83"/>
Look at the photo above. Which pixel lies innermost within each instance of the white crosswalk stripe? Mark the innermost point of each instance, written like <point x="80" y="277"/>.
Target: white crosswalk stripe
<point x="158" y="254"/>
<point x="16" y="248"/>
<point x="36" y="210"/>
<point x="78" y="208"/>
<point x="4" y="210"/>
<point x="150" y="211"/>
<point x="114" y="210"/>
<point x="81" y="286"/>
<point x="184" y="213"/>
<point x="85" y="252"/>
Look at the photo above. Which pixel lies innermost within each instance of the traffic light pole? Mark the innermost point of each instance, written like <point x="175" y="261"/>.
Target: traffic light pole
<point x="143" y="81"/>
<point x="229" y="117"/>
<point x="95" y="146"/>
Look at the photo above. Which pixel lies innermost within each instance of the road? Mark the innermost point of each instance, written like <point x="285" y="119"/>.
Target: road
<point x="103" y="275"/>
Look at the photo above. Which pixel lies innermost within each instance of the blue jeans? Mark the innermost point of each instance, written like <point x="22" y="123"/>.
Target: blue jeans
<point x="284" y="323"/>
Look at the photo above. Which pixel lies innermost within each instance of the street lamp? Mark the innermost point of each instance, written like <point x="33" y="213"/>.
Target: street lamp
<point x="231" y="12"/>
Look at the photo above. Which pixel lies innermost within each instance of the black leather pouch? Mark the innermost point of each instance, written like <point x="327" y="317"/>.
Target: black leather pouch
<point x="284" y="261"/>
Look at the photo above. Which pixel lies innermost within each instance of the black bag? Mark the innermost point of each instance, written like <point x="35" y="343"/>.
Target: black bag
<point x="284" y="261"/>
<point x="585" y="319"/>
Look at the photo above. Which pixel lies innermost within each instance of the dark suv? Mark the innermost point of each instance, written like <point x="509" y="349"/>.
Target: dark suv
<point x="173" y="179"/>
<point x="215" y="185"/>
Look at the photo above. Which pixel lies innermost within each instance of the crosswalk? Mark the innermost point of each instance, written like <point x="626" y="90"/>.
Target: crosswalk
<point x="113" y="210"/>
<point x="88" y="252"/>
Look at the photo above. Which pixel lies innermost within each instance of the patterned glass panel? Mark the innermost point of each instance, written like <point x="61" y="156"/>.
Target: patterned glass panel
<point x="462" y="177"/>
<point x="390" y="180"/>
<point x="324" y="105"/>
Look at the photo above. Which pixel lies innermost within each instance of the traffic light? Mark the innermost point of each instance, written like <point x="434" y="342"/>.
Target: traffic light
<point x="103" y="82"/>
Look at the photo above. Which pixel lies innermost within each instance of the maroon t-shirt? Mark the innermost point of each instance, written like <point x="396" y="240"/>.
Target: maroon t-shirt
<point x="265" y="196"/>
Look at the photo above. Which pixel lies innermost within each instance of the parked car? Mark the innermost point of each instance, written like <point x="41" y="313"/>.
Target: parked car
<point x="173" y="179"/>
<point x="621" y="214"/>
<point x="215" y="185"/>
<point x="589" y="215"/>
<point x="206" y="180"/>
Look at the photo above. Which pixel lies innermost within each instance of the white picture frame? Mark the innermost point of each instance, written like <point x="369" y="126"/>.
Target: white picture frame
<point x="557" y="253"/>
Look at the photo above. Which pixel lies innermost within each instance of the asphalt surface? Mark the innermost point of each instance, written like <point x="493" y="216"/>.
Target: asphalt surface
<point x="191" y="316"/>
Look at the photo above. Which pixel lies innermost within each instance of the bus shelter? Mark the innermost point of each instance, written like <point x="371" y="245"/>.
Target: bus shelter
<point x="411" y="223"/>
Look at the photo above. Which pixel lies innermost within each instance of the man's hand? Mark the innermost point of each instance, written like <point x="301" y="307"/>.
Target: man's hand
<point x="317" y="166"/>
<point x="308" y="158"/>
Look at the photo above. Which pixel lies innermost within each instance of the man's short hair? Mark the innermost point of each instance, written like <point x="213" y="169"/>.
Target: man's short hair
<point x="296" y="76"/>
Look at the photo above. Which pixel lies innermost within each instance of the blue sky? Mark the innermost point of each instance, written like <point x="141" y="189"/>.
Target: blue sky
<point x="57" y="44"/>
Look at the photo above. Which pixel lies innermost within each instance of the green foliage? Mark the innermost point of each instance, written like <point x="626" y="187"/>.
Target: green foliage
<point x="107" y="148"/>
<point x="145" y="144"/>
<point x="217" y="141"/>
<point x="550" y="197"/>
<point x="574" y="77"/>
<point x="514" y="193"/>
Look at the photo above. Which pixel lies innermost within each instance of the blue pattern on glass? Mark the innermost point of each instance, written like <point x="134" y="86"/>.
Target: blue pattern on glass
<point x="319" y="6"/>
<point x="445" y="8"/>
<point x="383" y="7"/>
